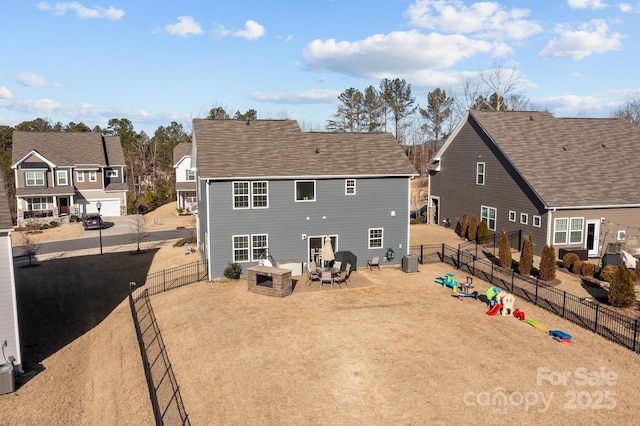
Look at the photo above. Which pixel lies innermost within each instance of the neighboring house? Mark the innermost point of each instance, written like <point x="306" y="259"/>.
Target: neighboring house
<point x="65" y="174"/>
<point x="185" y="177"/>
<point x="265" y="184"/>
<point x="9" y="330"/>
<point x="570" y="182"/>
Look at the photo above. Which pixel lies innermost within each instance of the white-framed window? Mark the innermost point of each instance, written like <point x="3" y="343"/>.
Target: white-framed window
<point x="93" y="176"/>
<point x="260" y="194"/>
<point x="259" y="243"/>
<point x="190" y="174"/>
<point x="240" y="195"/>
<point x="111" y="173"/>
<point x="62" y="178"/>
<point x="560" y="228"/>
<point x="305" y="190"/>
<point x="37" y="203"/>
<point x="489" y="214"/>
<point x="240" y="248"/>
<point x="524" y="218"/>
<point x="34" y="179"/>
<point x="375" y="238"/>
<point x="622" y="235"/>
<point x="80" y="176"/>
<point x="575" y="231"/>
<point x="537" y="221"/>
<point x="350" y="187"/>
<point x="512" y="216"/>
<point x="480" y="173"/>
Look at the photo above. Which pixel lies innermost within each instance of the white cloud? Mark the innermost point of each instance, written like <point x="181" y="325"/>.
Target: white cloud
<point x="487" y="19"/>
<point x="184" y="27"/>
<point x="590" y="39"/>
<point x="36" y="105"/>
<point x="625" y="7"/>
<point x="394" y="53"/>
<point x="252" y="30"/>
<point x="30" y="79"/>
<point x="5" y="93"/>
<point x="311" y="96"/>
<point x="584" y="4"/>
<point x="82" y="12"/>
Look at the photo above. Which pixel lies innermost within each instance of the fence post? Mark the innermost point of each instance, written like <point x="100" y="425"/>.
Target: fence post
<point x="513" y="276"/>
<point x="164" y="280"/>
<point x="595" y="327"/>
<point x="458" y="255"/>
<point x="635" y="334"/>
<point x="536" y="301"/>
<point x="564" y="302"/>
<point x="422" y="253"/>
<point x="491" y="272"/>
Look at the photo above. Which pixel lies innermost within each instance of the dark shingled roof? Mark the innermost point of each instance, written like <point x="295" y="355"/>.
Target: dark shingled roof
<point x="180" y="151"/>
<point x="69" y="149"/>
<point x="278" y="148"/>
<point x="569" y="161"/>
<point x="5" y="213"/>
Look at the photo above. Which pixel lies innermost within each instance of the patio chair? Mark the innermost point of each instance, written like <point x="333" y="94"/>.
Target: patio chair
<point x="326" y="277"/>
<point x="344" y="275"/>
<point x="374" y="262"/>
<point x="312" y="275"/>
<point x="313" y="267"/>
<point x="337" y="265"/>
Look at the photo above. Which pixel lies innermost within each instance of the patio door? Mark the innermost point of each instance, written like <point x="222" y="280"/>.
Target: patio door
<point x="316" y="247"/>
<point x="592" y="241"/>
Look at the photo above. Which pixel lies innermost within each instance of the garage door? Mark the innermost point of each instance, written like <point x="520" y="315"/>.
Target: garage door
<point x="109" y="207"/>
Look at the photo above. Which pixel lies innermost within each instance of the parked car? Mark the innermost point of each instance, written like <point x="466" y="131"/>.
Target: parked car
<point x="92" y="221"/>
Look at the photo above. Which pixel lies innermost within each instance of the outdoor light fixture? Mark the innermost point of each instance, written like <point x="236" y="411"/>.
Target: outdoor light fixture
<point x="99" y="206"/>
<point x="393" y="213"/>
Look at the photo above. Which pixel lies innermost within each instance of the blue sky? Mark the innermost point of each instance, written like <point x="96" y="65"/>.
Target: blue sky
<point x="162" y="61"/>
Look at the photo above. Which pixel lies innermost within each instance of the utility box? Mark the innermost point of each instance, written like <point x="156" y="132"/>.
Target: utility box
<point x="410" y="263"/>
<point x="7" y="382"/>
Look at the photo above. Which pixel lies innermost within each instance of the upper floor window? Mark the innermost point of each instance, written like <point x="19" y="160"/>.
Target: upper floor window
<point x="537" y="221"/>
<point x="524" y="218"/>
<point x="112" y="173"/>
<point x="62" y="178"/>
<point x="480" y="173"/>
<point x="350" y="187"/>
<point x="34" y="179"/>
<point x="93" y="176"/>
<point x="512" y="216"/>
<point x="305" y="190"/>
<point x="80" y="176"/>
<point x="257" y="192"/>
<point x="375" y="237"/>
<point x="489" y="214"/>
<point x="191" y="174"/>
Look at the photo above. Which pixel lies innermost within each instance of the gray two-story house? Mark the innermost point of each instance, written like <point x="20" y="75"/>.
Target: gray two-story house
<point x="59" y="175"/>
<point x="569" y="182"/>
<point x="265" y="184"/>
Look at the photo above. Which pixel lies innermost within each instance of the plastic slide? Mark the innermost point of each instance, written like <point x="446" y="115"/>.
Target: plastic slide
<point x="560" y="336"/>
<point x="537" y="325"/>
<point x="496" y="308"/>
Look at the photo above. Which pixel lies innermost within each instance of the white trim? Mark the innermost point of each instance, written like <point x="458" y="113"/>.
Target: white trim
<point x="37" y="154"/>
<point x="524" y="218"/>
<point x="233" y="194"/>
<point x="253" y="195"/>
<point x="538" y="219"/>
<point x="346" y="186"/>
<point x="512" y="216"/>
<point x="233" y="248"/>
<point x="66" y="176"/>
<point x="483" y="174"/>
<point x="381" y="238"/>
<point x="295" y="191"/>
<point x="495" y="217"/>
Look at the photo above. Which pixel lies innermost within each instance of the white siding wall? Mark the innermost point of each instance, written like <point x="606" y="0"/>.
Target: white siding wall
<point x="8" y="308"/>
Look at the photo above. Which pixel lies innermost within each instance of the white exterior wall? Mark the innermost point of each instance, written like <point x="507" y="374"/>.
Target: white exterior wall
<point x="8" y="308"/>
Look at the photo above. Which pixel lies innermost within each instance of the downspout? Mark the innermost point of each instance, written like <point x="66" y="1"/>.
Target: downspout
<point x="429" y="195"/>
<point x="408" y="219"/>
<point x="207" y="240"/>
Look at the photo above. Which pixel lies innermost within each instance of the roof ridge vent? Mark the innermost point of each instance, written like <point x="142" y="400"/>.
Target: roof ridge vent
<point x="531" y="117"/>
<point x="564" y="148"/>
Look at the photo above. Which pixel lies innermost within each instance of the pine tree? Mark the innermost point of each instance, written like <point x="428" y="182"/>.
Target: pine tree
<point x="622" y="293"/>
<point x="465" y="226"/>
<point x="505" y="251"/>
<point x="473" y="228"/>
<point x="483" y="232"/>
<point x="526" y="257"/>
<point x="548" y="264"/>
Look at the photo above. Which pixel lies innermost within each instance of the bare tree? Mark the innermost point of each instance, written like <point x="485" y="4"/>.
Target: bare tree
<point x="30" y="245"/>
<point x="139" y="228"/>
<point x="503" y="82"/>
<point x="629" y="111"/>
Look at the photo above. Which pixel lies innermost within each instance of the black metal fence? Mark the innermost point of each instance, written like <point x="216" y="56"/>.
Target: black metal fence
<point x="164" y="392"/>
<point x="592" y="316"/>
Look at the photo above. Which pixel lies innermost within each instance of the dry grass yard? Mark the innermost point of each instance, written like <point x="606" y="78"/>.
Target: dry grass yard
<point x="392" y="348"/>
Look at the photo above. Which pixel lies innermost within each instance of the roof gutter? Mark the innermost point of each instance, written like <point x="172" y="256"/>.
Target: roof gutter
<point x="306" y="177"/>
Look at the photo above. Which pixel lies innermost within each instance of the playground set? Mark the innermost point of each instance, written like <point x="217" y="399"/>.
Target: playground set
<point x="499" y="302"/>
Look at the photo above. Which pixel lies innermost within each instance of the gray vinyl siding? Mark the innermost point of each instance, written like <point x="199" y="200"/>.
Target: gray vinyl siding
<point x="348" y="217"/>
<point x="503" y="188"/>
<point x="8" y="314"/>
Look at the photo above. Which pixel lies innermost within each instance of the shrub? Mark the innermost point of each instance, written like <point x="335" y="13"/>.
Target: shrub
<point x="233" y="271"/>
<point x="548" y="264"/>
<point x="184" y="241"/>
<point x="472" y="231"/>
<point x="588" y="269"/>
<point x="54" y="224"/>
<point x="569" y="259"/>
<point x="608" y="272"/>
<point x="465" y="226"/>
<point x="622" y="293"/>
<point x="74" y="218"/>
<point x="526" y="257"/>
<point x="483" y="232"/>
<point x="504" y="250"/>
<point x="576" y="267"/>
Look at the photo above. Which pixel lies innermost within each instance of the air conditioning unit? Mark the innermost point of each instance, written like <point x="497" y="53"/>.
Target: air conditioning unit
<point x="410" y="263"/>
<point x="7" y="382"/>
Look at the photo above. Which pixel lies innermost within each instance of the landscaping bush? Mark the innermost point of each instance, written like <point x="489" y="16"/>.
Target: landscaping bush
<point x="576" y="267"/>
<point x="569" y="259"/>
<point x="504" y="251"/>
<point x="526" y="257"/>
<point x="608" y="272"/>
<point x="483" y="232"/>
<point x="622" y="292"/>
<point x="588" y="269"/>
<point x="464" y="226"/>
<point x="233" y="271"/>
<point x="548" y="264"/>
<point x="54" y="224"/>
<point x="184" y="241"/>
<point x="472" y="231"/>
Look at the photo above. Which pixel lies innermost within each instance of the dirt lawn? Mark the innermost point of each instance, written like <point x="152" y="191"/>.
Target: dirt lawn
<point x="393" y="349"/>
